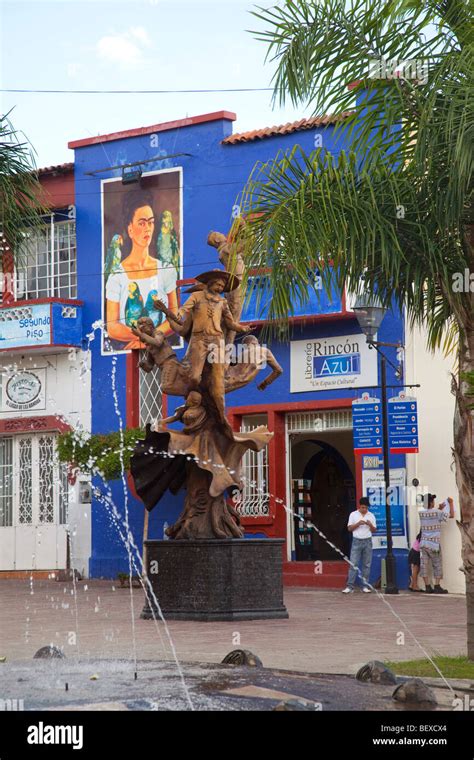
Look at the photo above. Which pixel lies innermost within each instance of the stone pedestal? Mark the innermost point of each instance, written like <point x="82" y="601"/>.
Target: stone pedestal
<point x="216" y="579"/>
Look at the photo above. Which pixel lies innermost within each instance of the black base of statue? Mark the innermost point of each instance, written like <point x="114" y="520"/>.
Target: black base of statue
<point x="216" y="579"/>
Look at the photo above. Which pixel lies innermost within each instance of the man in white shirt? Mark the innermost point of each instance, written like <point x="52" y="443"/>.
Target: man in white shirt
<point x="361" y="524"/>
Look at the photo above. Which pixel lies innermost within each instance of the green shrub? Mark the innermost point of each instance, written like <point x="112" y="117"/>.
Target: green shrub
<point x="99" y="452"/>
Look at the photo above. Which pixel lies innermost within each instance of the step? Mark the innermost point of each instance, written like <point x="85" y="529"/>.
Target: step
<point x="307" y="568"/>
<point x="315" y="581"/>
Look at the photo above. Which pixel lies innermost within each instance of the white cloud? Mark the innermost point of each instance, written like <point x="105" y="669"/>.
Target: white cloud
<point x="124" y="48"/>
<point x="140" y="34"/>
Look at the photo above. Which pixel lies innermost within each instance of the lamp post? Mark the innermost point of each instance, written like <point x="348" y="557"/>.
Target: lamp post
<point x="370" y="313"/>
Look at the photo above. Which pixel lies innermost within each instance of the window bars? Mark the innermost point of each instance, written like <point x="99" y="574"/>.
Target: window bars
<point x="151" y="396"/>
<point x="48" y="263"/>
<point x="255" y="500"/>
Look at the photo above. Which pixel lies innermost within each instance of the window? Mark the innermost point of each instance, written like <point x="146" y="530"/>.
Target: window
<point x="48" y="262"/>
<point x="255" y="496"/>
<point x="151" y="397"/>
<point x="33" y="484"/>
<point x="6" y="482"/>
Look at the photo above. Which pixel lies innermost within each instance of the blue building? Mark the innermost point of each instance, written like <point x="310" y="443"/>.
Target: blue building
<point x="190" y="173"/>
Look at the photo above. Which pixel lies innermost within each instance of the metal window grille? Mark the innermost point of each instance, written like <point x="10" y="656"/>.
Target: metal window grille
<point x="46" y="479"/>
<point x="63" y="494"/>
<point x="301" y="422"/>
<point x="255" y="495"/>
<point x="25" y="481"/>
<point x="151" y="396"/>
<point x="6" y="482"/>
<point x="48" y="262"/>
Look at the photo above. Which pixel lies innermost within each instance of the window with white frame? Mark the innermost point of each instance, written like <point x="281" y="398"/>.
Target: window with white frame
<point x="255" y="501"/>
<point x="47" y="265"/>
<point x="151" y="396"/>
<point x="33" y="484"/>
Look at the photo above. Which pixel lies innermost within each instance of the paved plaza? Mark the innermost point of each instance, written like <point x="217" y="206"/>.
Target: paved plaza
<point x="327" y="632"/>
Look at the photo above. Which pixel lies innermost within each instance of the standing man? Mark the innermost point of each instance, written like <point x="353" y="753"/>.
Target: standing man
<point x="361" y="524"/>
<point x="431" y="521"/>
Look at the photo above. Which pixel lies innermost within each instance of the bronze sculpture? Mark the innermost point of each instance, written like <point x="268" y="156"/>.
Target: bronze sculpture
<point x="205" y="455"/>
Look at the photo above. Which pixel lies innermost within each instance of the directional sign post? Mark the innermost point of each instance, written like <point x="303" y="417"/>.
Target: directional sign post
<point x="367" y="425"/>
<point x="402" y="425"/>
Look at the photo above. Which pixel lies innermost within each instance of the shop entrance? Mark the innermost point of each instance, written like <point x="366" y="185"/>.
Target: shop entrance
<point x="323" y="491"/>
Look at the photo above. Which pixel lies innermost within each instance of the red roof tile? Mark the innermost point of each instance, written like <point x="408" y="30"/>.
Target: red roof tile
<point x="57" y="169"/>
<point x="286" y="129"/>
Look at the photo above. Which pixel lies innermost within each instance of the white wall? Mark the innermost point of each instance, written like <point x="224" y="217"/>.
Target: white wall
<point x="67" y="395"/>
<point x="433" y="466"/>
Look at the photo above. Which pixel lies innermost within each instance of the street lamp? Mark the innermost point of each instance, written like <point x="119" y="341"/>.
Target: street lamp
<point x="370" y="313"/>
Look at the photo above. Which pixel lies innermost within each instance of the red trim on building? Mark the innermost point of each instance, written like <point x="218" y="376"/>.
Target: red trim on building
<point x="132" y="393"/>
<point x="35" y="424"/>
<point x="277" y="475"/>
<point x="292" y="406"/>
<point x="358" y="476"/>
<point x="164" y="126"/>
<point x="39" y="301"/>
<point x="132" y="415"/>
<point x="307" y="319"/>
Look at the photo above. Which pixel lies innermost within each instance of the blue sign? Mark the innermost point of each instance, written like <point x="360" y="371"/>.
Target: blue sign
<point x="56" y="323"/>
<point x="367" y="425"/>
<point x="324" y="366"/>
<point x="373" y="486"/>
<point x="318" y="302"/>
<point x="28" y="325"/>
<point x="403" y="425"/>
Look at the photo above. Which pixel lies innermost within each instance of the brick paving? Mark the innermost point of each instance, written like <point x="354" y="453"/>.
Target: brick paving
<point x="326" y="632"/>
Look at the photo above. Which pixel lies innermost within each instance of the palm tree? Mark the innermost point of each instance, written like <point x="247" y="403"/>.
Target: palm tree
<point x="20" y="192"/>
<point x="396" y="207"/>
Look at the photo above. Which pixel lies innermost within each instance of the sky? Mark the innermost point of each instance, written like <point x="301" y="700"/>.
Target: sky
<point x="132" y="45"/>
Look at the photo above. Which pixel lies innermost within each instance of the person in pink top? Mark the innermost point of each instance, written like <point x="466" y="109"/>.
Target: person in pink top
<point x="414" y="564"/>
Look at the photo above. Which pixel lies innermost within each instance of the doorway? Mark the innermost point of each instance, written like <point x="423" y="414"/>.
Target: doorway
<point x="33" y="503"/>
<point x="323" y="478"/>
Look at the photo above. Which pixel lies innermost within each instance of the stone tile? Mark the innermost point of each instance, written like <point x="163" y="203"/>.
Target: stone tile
<point x="326" y="632"/>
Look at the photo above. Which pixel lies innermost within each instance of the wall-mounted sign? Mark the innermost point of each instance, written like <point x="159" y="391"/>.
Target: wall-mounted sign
<point x="319" y="301"/>
<point x="373" y="486"/>
<point x="25" y="326"/>
<point x="403" y="424"/>
<point x="323" y="364"/>
<point x="24" y="390"/>
<point x="367" y="425"/>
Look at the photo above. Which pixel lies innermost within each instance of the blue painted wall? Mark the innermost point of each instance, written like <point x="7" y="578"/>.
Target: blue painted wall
<point x="213" y="176"/>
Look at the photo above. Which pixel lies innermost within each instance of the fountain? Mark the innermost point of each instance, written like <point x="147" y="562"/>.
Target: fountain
<point x="208" y="570"/>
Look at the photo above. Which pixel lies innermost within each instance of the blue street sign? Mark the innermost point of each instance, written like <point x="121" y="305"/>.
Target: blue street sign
<point x="367" y="425"/>
<point x="403" y="425"/>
